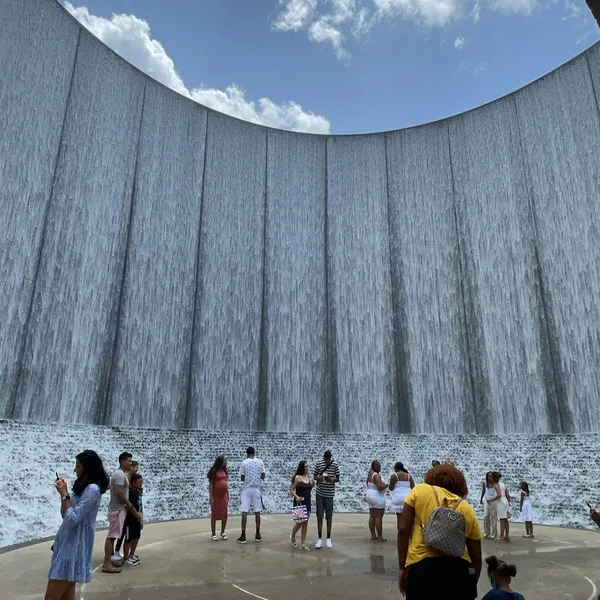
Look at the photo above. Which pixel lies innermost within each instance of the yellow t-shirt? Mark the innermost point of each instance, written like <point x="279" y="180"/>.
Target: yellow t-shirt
<point x="422" y="499"/>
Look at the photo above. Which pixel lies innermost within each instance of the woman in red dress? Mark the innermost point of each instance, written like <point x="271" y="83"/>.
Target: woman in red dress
<point x="218" y="494"/>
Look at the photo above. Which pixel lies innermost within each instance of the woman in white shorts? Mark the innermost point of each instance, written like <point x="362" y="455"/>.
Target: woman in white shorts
<point x="400" y="485"/>
<point x="376" y="494"/>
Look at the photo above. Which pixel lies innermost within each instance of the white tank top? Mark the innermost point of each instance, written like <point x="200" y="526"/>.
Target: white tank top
<point x="490" y="492"/>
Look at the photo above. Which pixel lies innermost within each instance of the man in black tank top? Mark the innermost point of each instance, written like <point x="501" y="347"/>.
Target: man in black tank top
<point x="326" y="474"/>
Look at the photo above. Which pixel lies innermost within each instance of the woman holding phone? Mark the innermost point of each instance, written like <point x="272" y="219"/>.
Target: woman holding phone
<point x="72" y="550"/>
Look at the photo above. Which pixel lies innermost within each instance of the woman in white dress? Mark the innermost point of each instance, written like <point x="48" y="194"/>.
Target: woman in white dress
<point x="376" y="492"/>
<point x="526" y="510"/>
<point x="503" y="509"/>
<point x="400" y="485"/>
<point x="491" y="493"/>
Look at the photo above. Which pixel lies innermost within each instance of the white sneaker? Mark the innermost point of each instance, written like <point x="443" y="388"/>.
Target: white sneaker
<point x="328" y="543"/>
<point x="319" y="544"/>
<point x="132" y="562"/>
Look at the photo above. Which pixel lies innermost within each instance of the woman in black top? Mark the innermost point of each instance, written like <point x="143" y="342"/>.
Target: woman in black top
<point x="302" y="484"/>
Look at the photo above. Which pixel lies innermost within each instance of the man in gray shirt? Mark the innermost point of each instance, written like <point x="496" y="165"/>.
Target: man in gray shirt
<point x="118" y="507"/>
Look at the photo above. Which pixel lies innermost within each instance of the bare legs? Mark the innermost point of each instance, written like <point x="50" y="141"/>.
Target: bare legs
<point x="529" y="529"/>
<point x="130" y="548"/>
<point x="372" y="520"/>
<point x="320" y="528"/>
<point x="303" y="529"/>
<point x="295" y="530"/>
<point x="245" y="521"/>
<point x="504" y="529"/>
<point x="109" y="546"/>
<point x="398" y="515"/>
<point x="379" y="512"/>
<point x="213" y="526"/>
<point x="59" y="589"/>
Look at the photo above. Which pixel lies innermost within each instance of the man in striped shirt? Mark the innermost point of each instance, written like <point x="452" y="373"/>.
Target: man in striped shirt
<point x="327" y="474"/>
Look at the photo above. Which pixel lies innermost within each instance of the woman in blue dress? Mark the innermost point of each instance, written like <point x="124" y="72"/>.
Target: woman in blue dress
<point x="72" y="551"/>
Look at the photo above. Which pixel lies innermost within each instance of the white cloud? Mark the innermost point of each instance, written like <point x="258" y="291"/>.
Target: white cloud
<point x="459" y="42"/>
<point x="331" y="21"/>
<point x="130" y="37"/>
<point x="468" y="66"/>
<point x="480" y="69"/>
<point x="296" y="15"/>
<point x="524" y="7"/>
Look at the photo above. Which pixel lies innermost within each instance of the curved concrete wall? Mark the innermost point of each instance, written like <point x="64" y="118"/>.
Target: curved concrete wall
<point x="165" y="265"/>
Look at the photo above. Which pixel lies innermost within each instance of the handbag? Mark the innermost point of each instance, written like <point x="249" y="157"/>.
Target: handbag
<point x="300" y="513"/>
<point x="445" y="529"/>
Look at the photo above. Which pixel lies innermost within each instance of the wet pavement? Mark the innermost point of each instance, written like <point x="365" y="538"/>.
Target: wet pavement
<point x="180" y="562"/>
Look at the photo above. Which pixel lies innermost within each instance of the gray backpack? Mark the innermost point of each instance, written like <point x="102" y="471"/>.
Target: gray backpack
<point x="445" y="529"/>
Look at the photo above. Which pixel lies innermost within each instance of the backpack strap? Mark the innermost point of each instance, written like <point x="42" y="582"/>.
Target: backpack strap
<point x="438" y="501"/>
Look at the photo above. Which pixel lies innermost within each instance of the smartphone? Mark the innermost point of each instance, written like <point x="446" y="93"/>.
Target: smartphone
<point x="590" y="506"/>
<point x="57" y="476"/>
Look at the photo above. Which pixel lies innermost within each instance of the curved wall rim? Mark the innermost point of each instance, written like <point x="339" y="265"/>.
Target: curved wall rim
<point x="166" y="265"/>
<point x="384" y="131"/>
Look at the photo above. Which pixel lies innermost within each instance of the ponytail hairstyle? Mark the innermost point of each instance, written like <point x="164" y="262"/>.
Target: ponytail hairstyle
<point x="525" y="487"/>
<point x="400" y="467"/>
<point x="492" y="563"/>
<point x="498" y="569"/>
<point x="506" y="571"/>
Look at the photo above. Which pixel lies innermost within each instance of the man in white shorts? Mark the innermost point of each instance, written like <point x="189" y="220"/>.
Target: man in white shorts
<point x="252" y="472"/>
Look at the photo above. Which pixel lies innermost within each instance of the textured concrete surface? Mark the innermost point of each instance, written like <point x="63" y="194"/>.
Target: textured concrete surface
<point x="179" y="561"/>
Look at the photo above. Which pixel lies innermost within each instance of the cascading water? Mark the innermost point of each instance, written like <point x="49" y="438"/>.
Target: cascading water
<point x="164" y="265"/>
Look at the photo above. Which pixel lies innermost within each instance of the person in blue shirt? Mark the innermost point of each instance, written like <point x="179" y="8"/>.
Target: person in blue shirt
<point x="72" y="550"/>
<point x="500" y="575"/>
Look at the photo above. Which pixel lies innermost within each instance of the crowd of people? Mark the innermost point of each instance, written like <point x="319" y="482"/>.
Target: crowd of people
<point x="438" y="534"/>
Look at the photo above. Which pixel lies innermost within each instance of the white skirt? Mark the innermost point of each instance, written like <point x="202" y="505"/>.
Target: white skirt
<point x="527" y="512"/>
<point x="502" y="508"/>
<point x="375" y="499"/>
<point x="398" y="495"/>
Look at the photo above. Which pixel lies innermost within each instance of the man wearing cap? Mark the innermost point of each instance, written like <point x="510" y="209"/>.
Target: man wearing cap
<point x="252" y="472"/>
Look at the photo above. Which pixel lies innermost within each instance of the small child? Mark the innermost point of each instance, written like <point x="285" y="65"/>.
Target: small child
<point x="500" y="575"/>
<point x="133" y="527"/>
<point x="526" y="511"/>
<point x="135" y="467"/>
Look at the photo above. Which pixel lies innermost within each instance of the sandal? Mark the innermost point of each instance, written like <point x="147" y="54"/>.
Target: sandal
<point x="305" y="548"/>
<point x="293" y="542"/>
<point x="382" y="539"/>
<point x="223" y="536"/>
<point x="215" y="538"/>
<point x="110" y="570"/>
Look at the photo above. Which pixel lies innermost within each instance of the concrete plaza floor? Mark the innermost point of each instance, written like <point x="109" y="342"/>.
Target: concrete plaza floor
<point x="180" y="562"/>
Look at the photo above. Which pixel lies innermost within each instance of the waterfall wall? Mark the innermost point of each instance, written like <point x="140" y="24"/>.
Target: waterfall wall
<point x="164" y="265"/>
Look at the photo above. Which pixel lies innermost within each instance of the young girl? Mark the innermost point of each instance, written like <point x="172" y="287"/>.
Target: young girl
<point x="500" y="575"/>
<point x="526" y="512"/>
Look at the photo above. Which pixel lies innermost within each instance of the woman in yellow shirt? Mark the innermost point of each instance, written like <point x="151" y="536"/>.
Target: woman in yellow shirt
<point x="425" y="573"/>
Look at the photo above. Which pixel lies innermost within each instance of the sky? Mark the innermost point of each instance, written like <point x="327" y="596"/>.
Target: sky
<point x="342" y="66"/>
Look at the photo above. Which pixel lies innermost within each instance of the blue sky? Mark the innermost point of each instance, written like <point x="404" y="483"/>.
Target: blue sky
<point x="344" y="66"/>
